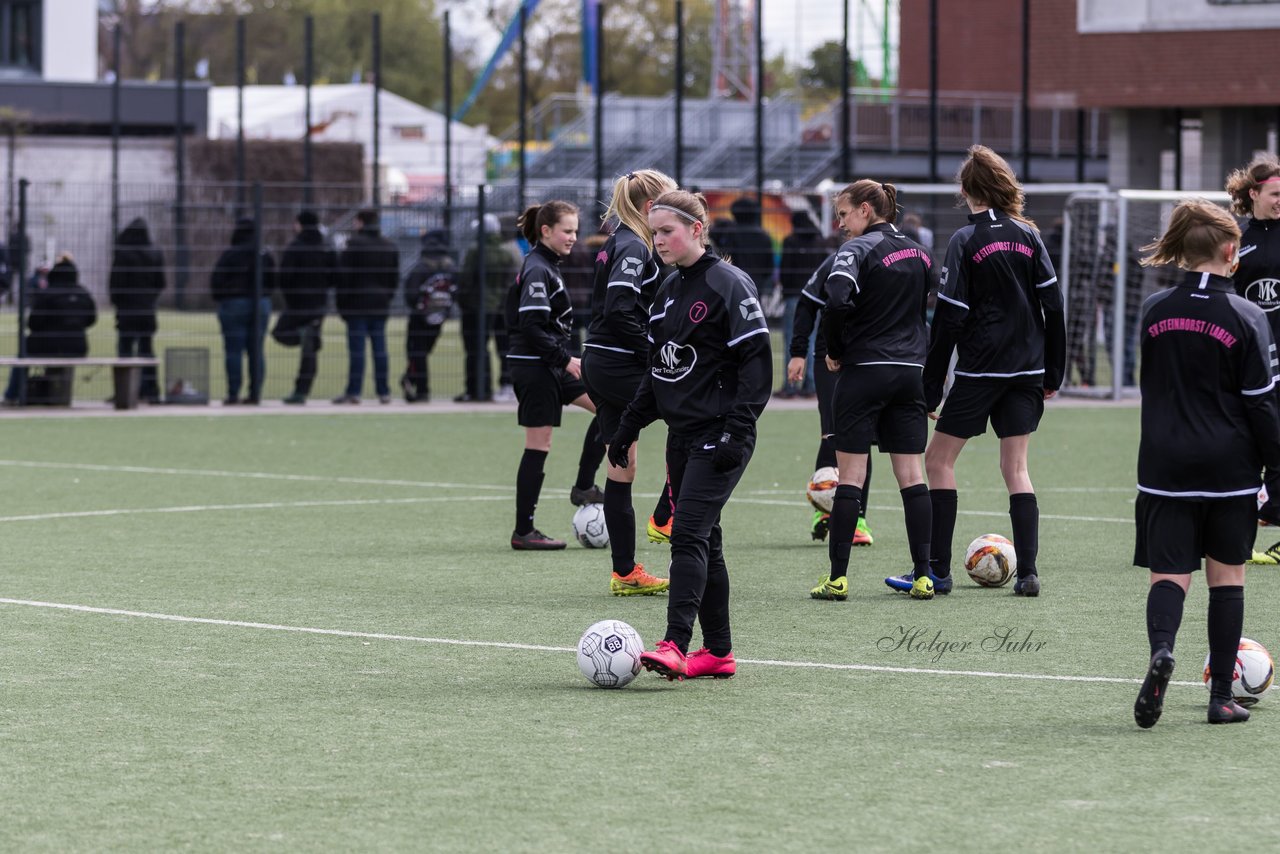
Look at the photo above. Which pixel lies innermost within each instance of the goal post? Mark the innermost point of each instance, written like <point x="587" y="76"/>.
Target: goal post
<point x="1104" y="285"/>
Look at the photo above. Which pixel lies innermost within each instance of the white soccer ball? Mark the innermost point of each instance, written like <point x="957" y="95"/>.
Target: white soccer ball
<point x="990" y="560"/>
<point x="589" y="528"/>
<point x="1254" y="672"/>
<point x="822" y="488"/>
<point x="609" y="654"/>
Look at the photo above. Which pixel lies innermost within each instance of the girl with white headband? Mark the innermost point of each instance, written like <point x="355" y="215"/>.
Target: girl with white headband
<point x="710" y="372"/>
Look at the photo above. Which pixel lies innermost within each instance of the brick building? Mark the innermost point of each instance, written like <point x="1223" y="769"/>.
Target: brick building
<point x="1189" y="84"/>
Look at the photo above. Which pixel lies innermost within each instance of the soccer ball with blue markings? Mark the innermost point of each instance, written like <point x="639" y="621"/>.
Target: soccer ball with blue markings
<point x="589" y="528"/>
<point x="609" y="654"/>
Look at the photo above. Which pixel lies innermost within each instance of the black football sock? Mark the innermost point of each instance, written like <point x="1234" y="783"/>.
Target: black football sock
<point x="620" y="520"/>
<point x="592" y="456"/>
<point x="944" y="503"/>
<point x="844" y="521"/>
<point x="826" y="454"/>
<point x="1226" y="623"/>
<point x="1164" y="614"/>
<point x="528" y="487"/>
<point x="919" y="518"/>
<point x="663" y="509"/>
<point x="866" y="490"/>
<point x="1024" y="517"/>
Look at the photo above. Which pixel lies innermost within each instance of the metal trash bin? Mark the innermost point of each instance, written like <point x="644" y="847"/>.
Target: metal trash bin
<point x="186" y="375"/>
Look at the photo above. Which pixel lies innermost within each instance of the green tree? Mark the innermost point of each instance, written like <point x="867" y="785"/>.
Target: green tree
<point x="823" y="70"/>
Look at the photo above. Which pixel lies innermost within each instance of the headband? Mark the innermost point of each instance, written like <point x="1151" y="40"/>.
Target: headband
<point x="684" y="214"/>
<point x="1269" y="180"/>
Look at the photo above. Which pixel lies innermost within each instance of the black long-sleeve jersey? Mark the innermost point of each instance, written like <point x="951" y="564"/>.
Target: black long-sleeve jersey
<point x="710" y="363"/>
<point x="813" y="298"/>
<point x="1209" y="418"/>
<point x="626" y="278"/>
<point x="876" y="300"/>
<point x="999" y="302"/>
<point x="1258" y="278"/>
<point x="539" y="311"/>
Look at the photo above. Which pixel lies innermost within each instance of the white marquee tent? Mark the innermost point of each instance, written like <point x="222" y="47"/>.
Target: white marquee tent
<point x="412" y="136"/>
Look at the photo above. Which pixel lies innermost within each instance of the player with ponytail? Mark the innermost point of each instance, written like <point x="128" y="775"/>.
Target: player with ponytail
<point x="1210" y="422"/>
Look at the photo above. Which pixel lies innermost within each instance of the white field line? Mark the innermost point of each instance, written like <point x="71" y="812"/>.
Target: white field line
<point x="273" y="627"/>
<point x="266" y="505"/>
<point x="506" y="491"/>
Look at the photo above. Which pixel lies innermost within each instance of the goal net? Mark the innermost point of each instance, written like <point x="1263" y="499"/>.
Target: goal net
<point x="1104" y="285"/>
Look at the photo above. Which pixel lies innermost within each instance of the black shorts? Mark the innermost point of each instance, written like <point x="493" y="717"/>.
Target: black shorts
<point x="542" y="392"/>
<point x="1173" y="534"/>
<point x="611" y="379"/>
<point x="1014" y="407"/>
<point x="881" y="404"/>
<point x="824" y="383"/>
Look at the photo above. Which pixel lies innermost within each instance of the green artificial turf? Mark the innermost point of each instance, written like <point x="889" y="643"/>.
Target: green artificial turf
<point x="125" y="732"/>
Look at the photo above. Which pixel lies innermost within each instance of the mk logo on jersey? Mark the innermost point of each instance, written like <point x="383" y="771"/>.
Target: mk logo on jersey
<point x="538" y="290"/>
<point x="675" y="361"/>
<point x="632" y="266"/>
<point x="1265" y="293"/>
<point x="750" y="308"/>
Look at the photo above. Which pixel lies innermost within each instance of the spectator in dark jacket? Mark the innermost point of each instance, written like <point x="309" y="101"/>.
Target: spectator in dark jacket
<point x="137" y="278"/>
<point x="429" y="292"/>
<point x="751" y="245"/>
<point x="242" y="317"/>
<point x="308" y="270"/>
<point x="370" y="276"/>
<point x="59" y="316"/>
<point x="484" y="297"/>
<point x="803" y="251"/>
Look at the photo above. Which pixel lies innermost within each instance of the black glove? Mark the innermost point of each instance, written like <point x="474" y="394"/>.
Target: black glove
<point x="620" y="445"/>
<point x="727" y="455"/>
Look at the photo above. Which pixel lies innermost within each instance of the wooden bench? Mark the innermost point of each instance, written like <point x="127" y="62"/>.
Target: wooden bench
<point x="126" y="371"/>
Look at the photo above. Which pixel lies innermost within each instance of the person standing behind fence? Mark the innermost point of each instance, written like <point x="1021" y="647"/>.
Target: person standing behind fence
<point x="479" y="298"/>
<point x="803" y="251"/>
<point x="370" y="276"/>
<point x="429" y="291"/>
<point x="751" y="245"/>
<point x="308" y="269"/>
<point x="233" y="287"/>
<point x="59" y="316"/>
<point x="137" y="279"/>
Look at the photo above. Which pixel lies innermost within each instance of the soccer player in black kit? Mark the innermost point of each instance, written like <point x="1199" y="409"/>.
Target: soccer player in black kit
<point x="1255" y="193"/>
<point x="999" y="304"/>
<point x="812" y="299"/>
<point x="1210" y="422"/>
<point x="616" y="358"/>
<point x="877" y="339"/>
<point x="710" y="376"/>
<point x="546" y="377"/>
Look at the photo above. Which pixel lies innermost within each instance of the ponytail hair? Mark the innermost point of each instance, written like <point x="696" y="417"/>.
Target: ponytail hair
<point x="986" y="178"/>
<point x="1242" y="182"/>
<point x="689" y="207"/>
<point x="1196" y="230"/>
<point x="630" y="192"/>
<point x="535" y="217"/>
<point x="883" y="198"/>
